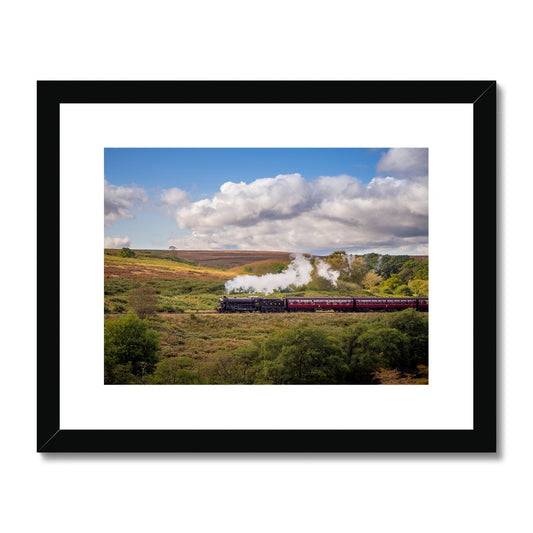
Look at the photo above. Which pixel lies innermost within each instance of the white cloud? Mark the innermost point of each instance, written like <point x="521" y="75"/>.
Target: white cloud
<point x="117" y="242"/>
<point x="119" y="201"/>
<point x="404" y="162"/>
<point x="292" y="214"/>
<point x="174" y="197"/>
<point x="245" y="204"/>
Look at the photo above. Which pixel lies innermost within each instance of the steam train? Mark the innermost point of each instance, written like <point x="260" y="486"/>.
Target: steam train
<point x="310" y="305"/>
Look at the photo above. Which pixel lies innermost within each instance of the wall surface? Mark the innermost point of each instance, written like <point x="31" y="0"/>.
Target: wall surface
<point x="410" y="40"/>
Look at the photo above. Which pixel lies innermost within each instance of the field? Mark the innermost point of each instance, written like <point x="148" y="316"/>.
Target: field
<point x="197" y="345"/>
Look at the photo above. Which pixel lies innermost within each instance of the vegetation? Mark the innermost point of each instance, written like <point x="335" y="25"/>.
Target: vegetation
<point x="156" y="331"/>
<point x="143" y="300"/>
<point x="131" y="350"/>
<point x="126" y="252"/>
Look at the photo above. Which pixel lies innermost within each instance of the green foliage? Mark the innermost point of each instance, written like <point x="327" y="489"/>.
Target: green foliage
<point x="403" y="290"/>
<point x="338" y="261"/>
<point x="415" y="327"/>
<point x="370" y="347"/>
<point x="171" y="256"/>
<point x="302" y="355"/>
<point x="175" y="287"/>
<point x="419" y="287"/>
<point x="423" y="271"/>
<point x="389" y="285"/>
<point x="126" y="252"/>
<point x="245" y="358"/>
<point x="118" y="286"/>
<point x="372" y="261"/>
<point x="174" y="371"/>
<point x="253" y="349"/>
<point x="391" y="265"/>
<point x="130" y="348"/>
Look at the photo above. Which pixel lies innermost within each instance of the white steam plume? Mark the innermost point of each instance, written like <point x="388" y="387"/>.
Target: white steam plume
<point x="324" y="271"/>
<point x="298" y="273"/>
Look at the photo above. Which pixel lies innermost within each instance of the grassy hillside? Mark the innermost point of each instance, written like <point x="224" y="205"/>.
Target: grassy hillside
<point x="197" y="347"/>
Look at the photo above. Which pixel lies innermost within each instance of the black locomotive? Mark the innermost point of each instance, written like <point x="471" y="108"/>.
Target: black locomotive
<point x="310" y="305"/>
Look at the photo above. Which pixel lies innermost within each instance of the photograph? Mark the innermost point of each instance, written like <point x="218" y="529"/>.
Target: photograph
<point x="269" y="266"/>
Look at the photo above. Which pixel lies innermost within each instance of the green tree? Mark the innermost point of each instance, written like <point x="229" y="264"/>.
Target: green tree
<point x="371" y="279"/>
<point x="403" y="290"/>
<point x="362" y="365"/>
<point x="126" y="252"/>
<point x="301" y="355"/>
<point x="409" y="270"/>
<point x="419" y="287"/>
<point x="391" y="264"/>
<point x="372" y="261"/>
<point x="143" y="301"/>
<point x="386" y="347"/>
<point x="130" y="347"/>
<point x="423" y="271"/>
<point x="391" y="284"/>
<point x="338" y="260"/>
<point x="415" y="327"/>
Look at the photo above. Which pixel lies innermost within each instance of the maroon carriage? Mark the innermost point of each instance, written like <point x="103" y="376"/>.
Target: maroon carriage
<point x="319" y="304"/>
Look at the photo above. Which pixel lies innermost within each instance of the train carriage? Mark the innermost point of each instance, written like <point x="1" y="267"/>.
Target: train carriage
<point x="385" y="304"/>
<point x="319" y="304"/>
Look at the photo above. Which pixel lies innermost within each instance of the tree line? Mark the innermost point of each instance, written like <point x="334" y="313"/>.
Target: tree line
<point x="398" y="275"/>
<point x="303" y="354"/>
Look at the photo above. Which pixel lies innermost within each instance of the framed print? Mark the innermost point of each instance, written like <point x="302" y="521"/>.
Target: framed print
<point x="266" y="252"/>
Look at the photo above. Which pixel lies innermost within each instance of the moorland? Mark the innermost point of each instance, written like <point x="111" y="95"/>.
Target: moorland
<point x="161" y="328"/>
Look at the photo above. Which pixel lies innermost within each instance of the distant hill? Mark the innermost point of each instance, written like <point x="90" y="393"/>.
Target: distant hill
<point x="230" y="259"/>
<point x="227" y="259"/>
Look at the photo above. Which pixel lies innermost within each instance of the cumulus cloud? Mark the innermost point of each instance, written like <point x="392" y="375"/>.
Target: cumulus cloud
<point x="174" y="196"/>
<point x="119" y="201"/>
<point x="244" y="204"/>
<point x="404" y="163"/>
<point x="288" y="212"/>
<point x="117" y="242"/>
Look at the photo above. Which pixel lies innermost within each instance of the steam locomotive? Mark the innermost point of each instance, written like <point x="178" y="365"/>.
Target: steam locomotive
<point x="310" y="305"/>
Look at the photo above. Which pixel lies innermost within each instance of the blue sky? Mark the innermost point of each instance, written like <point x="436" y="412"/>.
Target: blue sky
<point x="274" y="198"/>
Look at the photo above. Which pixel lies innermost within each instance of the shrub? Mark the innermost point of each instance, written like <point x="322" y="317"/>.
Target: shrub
<point x="126" y="252"/>
<point x="130" y="347"/>
<point x="143" y="300"/>
<point x="174" y="371"/>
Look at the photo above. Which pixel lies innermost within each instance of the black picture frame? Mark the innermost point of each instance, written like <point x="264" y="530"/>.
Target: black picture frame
<point x="482" y="96"/>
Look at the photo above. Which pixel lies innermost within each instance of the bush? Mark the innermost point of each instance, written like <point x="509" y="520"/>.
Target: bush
<point x="174" y="371"/>
<point x="131" y="348"/>
<point x="143" y="300"/>
<point x="126" y="252"/>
